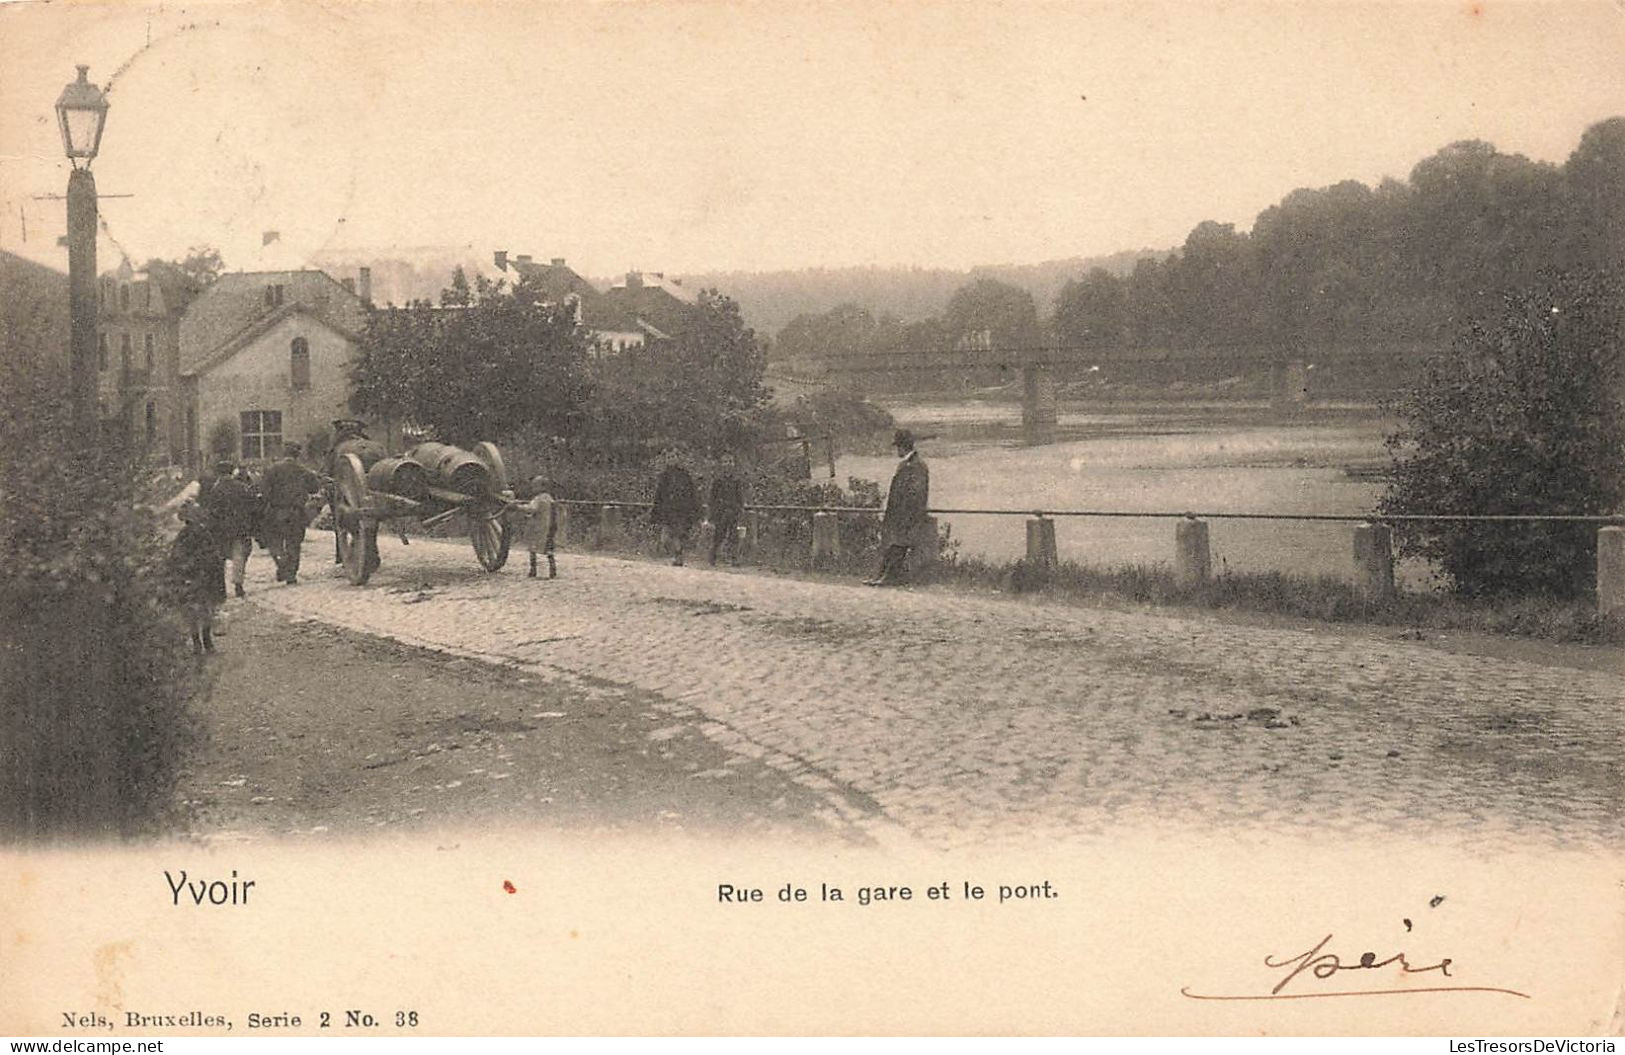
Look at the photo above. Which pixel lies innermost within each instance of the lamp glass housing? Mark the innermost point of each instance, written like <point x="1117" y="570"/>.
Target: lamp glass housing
<point x="81" y="113"/>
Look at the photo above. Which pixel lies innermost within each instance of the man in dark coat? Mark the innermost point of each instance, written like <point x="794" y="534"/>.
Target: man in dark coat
<point x="287" y="487"/>
<point x="232" y="505"/>
<point x="907" y="503"/>
<point x="676" y="507"/>
<point x="727" y="503"/>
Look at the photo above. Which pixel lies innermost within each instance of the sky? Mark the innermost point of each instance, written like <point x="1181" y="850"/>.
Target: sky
<point x="687" y="136"/>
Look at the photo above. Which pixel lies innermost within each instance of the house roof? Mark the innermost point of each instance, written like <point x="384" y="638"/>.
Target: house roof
<point x="556" y="282"/>
<point x="651" y="305"/>
<point x="235" y="304"/>
<point x="260" y="327"/>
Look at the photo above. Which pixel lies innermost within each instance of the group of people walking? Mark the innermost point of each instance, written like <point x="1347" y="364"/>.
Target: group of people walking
<point x="677" y="510"/>
<point x="231" y="510"/>
<point x="220" y="524"/>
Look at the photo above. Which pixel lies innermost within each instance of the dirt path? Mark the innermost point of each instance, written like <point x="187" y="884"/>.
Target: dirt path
<point x="314" y="731"/>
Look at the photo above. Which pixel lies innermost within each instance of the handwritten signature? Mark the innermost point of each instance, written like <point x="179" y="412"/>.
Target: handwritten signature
<point x="1323" y="965"/>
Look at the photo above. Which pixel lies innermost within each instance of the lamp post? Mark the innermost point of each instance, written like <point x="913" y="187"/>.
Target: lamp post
<point x="81" y="112"/>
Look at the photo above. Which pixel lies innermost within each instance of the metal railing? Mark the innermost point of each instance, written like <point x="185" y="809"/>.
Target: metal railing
<point x="1350" y="518"/>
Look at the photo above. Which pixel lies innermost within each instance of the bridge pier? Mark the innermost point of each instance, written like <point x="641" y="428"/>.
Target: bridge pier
<point x="1038" y="414"/>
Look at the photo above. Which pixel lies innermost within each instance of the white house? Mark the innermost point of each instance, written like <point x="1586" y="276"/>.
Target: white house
<point x="265" y="357"/>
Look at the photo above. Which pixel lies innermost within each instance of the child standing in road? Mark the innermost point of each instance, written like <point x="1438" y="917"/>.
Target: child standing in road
<point x="199" y="575"/>
<point x="541" y="524"/>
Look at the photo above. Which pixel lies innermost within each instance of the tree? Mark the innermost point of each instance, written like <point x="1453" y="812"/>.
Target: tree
<point x="193" y="273"/>
<point x="1212" y="286"/>
<point x="702" y="388"/>
<point x="1595" y="177"/>
<point x="1092" y="312"/>
<point x="488" y="361"/>
<point x="94" y="676"/>
<point x="1523" y="416"/>
<point x="990" y="315"/>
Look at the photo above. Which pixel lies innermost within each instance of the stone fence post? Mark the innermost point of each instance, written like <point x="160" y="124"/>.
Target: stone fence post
<point x="927" y="546"/>
<point x="1374" y="560"/>
<point x="750" y="537"/>
<point x="609" y="525"/>
<point x="1193" y="561"/>
<point x="826" y="538"/>
<point x="1610" y="569"/>
<point x="1042" y="556"/>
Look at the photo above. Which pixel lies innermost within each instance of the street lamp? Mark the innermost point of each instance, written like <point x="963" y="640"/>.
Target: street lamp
<point x="81" y="112"/>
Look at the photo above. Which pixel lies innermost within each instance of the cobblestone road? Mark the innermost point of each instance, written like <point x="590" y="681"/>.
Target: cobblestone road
<point x="961" y="720"/>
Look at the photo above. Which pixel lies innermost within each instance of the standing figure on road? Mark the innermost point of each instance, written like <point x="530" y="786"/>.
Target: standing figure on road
<point x="727" y="503"/>
<point x="350" y="437"/>
<point x="676" y="507"/>
<point x="232" y="506"/>
<point x="906" y="511"/>
<point x="541" y="524"/>
<point x="288" y="486"/>
<point x="198" y="574"/>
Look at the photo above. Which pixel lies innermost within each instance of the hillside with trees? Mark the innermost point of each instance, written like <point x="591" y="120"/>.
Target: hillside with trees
<point x="1390" y="271"/>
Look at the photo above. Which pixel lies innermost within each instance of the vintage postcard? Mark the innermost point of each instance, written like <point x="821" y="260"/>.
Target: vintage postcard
<point x="812" y="518"/>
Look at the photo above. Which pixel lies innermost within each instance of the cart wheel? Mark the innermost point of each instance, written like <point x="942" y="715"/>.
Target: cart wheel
<point x="491" y="535"/>
<point x="488" y="453"/>
<point x="349" y="522"/>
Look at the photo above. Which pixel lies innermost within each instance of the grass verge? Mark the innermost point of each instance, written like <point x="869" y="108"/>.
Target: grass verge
<point x="1323" y="598"/>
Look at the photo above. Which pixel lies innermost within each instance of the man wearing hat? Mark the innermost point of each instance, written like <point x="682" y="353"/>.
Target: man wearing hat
<point x="906" y="504"/>
<point x="232" y="505"/>
<point x="287" y="486"/>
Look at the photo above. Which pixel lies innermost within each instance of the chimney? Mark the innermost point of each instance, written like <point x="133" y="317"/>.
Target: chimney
<point x="501" y="257"/>
<point x="558" y="261"/>
<point x="364" y="286"/>
<point x="348" y="283"/>
<point x="523" y="258"/>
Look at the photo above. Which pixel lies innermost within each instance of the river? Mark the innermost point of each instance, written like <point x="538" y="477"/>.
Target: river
<point x="1187" y="459"/>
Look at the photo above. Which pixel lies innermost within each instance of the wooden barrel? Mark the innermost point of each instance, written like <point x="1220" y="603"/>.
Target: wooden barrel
<point x="399" y="476"/>
<point x="453" y="468"/>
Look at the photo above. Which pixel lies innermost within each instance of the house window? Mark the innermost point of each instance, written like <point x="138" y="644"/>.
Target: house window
<point x="299" y="363"/>
<point x="101" y="351"/>
<point x="152" y="423"/>
<point x="124" y="352"/>
<point x="262" y="433"/>
<point x="124" y="298"/>
<point x="273" y="296"/>
<point x="151" y="358"/>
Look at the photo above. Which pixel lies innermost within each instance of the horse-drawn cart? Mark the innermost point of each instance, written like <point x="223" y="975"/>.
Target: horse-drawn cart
<point x="430" y="483"/>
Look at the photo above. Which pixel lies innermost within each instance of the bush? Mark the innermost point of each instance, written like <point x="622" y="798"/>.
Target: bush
<point x="1522" y="416"/>
<point x="851" y="419"/>
<point x="94" y="673"/>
